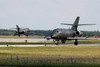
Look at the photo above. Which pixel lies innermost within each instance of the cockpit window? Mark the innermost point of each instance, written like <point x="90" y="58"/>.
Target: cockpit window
<point x="57" y="31"/>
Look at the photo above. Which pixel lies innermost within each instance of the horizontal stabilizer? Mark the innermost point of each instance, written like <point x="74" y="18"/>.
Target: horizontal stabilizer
<point x="13" y="28"/>
<point x="66" y="24"/>
<point x="85" y="24"/>
<point x="78" y="24"/>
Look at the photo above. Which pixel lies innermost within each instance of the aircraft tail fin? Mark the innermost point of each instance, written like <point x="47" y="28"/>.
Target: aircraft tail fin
<point x="17" y="28"/>
<point x="75" y="25"/>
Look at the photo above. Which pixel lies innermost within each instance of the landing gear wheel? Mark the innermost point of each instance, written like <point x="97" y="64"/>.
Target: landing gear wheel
<point x="63" y="41"/>
<point x="57" y="42"/>
<point x="76" y="42"/>
<point x="19" y="35"/>
<point x="26" y="35"/>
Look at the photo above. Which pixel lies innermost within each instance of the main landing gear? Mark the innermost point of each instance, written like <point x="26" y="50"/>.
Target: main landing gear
<point x="57" y="42"/>
<point x="76" y="42"/>
<point x="63" y="41"/>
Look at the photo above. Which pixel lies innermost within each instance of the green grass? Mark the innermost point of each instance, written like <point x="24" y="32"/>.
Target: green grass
<point x="82" y="56"/>
<point x="68" y="42"/>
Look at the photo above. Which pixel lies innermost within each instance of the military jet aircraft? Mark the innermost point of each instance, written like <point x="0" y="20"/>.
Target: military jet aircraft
<point x="68" y="34"/>
<point x="20" y="31"/>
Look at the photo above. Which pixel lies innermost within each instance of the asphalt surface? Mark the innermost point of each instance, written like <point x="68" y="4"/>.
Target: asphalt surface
<point x="21" y="39"/>
<point x="36" y="39"/>
<point x="29" y="39"/>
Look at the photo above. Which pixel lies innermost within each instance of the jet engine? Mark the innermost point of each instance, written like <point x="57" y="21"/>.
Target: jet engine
<point x="78" y="33"/>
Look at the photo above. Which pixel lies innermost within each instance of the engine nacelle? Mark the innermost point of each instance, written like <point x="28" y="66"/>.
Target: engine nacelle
<point x="78" y="33"/>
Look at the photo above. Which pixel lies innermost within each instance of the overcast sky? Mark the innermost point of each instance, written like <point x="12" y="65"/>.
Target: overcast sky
<point x="48" y="14"/>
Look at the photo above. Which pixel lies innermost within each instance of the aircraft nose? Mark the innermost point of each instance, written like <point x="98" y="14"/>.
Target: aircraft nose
<point x="53" y="36"/>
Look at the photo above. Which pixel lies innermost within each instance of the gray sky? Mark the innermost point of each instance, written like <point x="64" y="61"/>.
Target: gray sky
<point x="48" y="14"/>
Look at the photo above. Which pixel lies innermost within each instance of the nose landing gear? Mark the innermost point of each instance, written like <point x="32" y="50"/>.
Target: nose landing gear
<point x="56" y="42"/>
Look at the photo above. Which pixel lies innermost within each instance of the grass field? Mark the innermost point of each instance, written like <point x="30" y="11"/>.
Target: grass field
<point x="68" y="42"/>
<point x="59" y="56"/>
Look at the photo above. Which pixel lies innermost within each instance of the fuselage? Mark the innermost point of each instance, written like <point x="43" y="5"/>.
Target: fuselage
<point x="23" y="31"/>
<point x="63" y="34"/>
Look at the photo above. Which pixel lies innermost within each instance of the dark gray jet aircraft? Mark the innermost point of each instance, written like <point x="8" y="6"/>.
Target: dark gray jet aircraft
<point x="19" y="31"/>
<point x="68" y="34"/>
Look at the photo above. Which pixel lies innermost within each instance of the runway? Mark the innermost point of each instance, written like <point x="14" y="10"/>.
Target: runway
<point x="22" y="39"/>
<point x="36" y="39"/>
<point x="48" y="45"/>
<point x="29" y="39"/>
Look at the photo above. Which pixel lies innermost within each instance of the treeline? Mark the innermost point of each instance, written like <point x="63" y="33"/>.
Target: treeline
<point x="90" y="33"/>
<point x="5" y="32"/>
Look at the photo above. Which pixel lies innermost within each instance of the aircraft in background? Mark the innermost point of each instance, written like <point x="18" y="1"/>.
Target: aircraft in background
<point x="20" y="31"/>
<point x="68" y="34"/>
